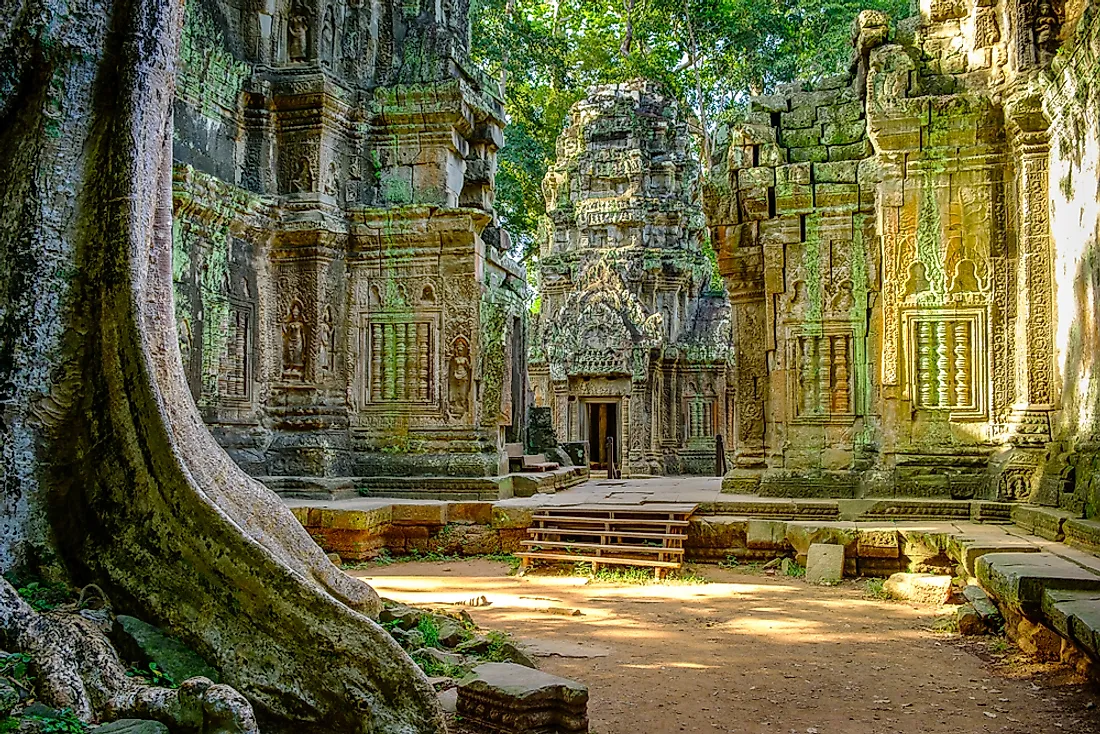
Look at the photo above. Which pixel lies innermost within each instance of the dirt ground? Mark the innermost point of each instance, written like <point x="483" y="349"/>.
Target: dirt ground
<point x="754" y="653"/>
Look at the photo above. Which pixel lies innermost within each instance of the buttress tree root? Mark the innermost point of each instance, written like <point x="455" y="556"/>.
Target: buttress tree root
<point x="106" y="468"/>
<point x="76" y="668"/>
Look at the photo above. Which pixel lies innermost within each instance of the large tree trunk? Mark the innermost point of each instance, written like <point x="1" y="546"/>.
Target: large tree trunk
<point x="107" y="469"/>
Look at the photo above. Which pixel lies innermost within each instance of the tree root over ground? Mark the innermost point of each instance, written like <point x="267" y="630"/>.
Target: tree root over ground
<point x="76" y="668"/>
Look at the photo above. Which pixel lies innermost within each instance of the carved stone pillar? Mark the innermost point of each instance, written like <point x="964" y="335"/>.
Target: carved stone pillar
<point x="1029" y="423"/>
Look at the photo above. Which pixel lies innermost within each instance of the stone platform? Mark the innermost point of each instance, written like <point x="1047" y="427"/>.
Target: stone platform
<point x="524" y="484"/>
<point x="1041" y="570"/>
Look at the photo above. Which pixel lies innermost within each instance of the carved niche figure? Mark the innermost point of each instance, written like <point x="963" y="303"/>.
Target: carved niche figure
<point x="328" y="38"/>
<point x="332" y="183"/>
<point x="966" y="278"/>
<point x="294" y="342"/>
<point x="458" y="378"/>
<point x="1046" y="32"/>
<point x="326" y="354"/>
<point x="303" y="180"/>
<point x="297" y="36"/>
<point x="918" y="279"/>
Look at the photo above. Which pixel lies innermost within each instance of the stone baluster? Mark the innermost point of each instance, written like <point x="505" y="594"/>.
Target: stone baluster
<point x="400" y="338"/>
<point x="943" y="391"/>
<point x="424" y="384"/>
<point x="962" y="363"/>
<point x="841" y="394"/>
<point x="376" y="362"/>
<point x="924" y="363"/>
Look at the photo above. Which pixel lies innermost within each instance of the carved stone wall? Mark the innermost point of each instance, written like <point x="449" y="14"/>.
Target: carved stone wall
<point x="629" y="314"/>
<point x="345" y="303"/>
<point x="890" y="228"/>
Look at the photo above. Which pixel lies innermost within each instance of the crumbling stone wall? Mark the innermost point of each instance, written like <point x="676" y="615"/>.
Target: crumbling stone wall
<point x="886" y="239"/>
<point x="629" y="315"/>
<point x="345" y="302"/>
<point x="1071" y="100"/>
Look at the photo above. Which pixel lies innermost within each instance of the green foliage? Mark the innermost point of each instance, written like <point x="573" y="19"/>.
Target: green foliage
<point x="638" y="575"/>
<point x="40" y="594"/>
<point x="429" y="629"/>
<point x="711" y="54"/>
<point x="795" y="570"/>
<point x="66" y="723"/>
<point x="154" y="675"/>
<point x="16" y="666"/>
<point x="875" y="589"/>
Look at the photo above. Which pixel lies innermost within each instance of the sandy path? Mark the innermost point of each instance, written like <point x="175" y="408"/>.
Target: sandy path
<point x="751" y="653"/>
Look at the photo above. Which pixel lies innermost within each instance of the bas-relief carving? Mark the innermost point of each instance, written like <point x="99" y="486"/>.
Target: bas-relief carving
<point x="625" y="298"/>
<point x="352" y="327"/>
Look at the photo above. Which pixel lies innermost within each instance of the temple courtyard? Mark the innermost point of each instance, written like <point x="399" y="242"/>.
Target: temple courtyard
<point x="734" y="649"/>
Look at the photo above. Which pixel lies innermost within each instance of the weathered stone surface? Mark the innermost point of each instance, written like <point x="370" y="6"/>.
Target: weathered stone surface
<point x="825" y="563"/>
<point x="1075" y="615"/>
<point x="923" y="588"/>
<point x="511" y="699"/>
<point x="803" y="535"/>
<point x="627" y="304"/>
<point x="969" y="621"/>
<point x="982" y="604"/>
<point x="1018" y="580"/>
<point x="142" y="641"/>
<point x="766" y="534"/>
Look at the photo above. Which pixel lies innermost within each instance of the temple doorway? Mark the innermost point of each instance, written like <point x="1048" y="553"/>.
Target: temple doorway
<point x="603" y="423"/>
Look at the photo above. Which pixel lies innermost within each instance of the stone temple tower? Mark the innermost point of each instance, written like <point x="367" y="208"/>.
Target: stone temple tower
<point x="632" y="335"/>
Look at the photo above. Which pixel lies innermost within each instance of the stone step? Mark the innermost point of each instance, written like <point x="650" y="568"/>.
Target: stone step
<point x="1019" y="580"/>
<point x="1083" y="534"/>
<point x="1075" y="615"/>
<point x="1045" y="522"/>
<point x="967" y="548"/>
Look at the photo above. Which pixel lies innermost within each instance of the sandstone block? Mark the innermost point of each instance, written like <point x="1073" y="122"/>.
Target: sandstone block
<point x="426" y="513"/>
<point x="802" y="535"/>
<point x="768" y="103"/>
<point x="1083" y="534"/>
<point x="923" y="588"/>
<point x="969" y="621"/>
<point x="472" y="513"/>
<point x="511" y="517"/>
<point x="794" y="173"/>
<point x="836" y="172"/>
<point x="825" y="563"/>
<point x="843" y="133"/>
<point x="505" y="698"/>
<point x="853" y="152"/>
<point x="802" y="137"/>
<point x="770" y="534"/>
<point x="836" y="195"/>
<point x="761" y="176"/>
<point x="801" y="155"/>
<point x="846" y="112"/>
<point x="798" y="117"/>
<point x="1075" y="615"/>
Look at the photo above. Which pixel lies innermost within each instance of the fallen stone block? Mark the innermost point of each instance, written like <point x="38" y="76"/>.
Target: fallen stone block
<point x="983" y="605"/>
<point x="924" y="588"/>
<point x="825" y="563"/>
<point x="142" y="641"/>
<point x="969" y="621"/>
<point x="505" y="698"/>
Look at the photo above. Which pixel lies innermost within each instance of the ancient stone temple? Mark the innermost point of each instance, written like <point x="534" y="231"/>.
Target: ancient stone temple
<point x="632" y="338"/>
<point x="886" y="240"/>
<point x="345" y="304"/>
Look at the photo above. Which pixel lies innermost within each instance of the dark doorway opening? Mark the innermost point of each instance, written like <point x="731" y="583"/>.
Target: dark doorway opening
<point x="603" y="422"/>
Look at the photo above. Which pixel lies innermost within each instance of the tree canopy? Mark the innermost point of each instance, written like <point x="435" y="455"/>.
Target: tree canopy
<point x="709" y="53"/>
